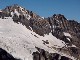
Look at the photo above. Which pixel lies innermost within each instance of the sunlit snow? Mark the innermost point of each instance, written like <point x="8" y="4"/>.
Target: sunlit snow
<point x="20" y="41"/>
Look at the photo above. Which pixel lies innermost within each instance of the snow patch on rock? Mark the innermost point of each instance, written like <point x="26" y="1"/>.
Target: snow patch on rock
<point x="67" y="34"/>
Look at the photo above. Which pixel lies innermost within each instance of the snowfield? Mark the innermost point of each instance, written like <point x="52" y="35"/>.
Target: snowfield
<point x="19" y="41"/>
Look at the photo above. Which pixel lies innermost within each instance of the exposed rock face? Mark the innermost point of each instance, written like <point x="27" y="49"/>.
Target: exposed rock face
<point x="41" y="54"/>
<point x="41" y="27"/>
<point x="57" y="25"/>
<point x="6" y="56"/>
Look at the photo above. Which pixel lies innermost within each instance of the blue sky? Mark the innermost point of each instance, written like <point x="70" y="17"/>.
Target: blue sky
<point x="46" y="8"/>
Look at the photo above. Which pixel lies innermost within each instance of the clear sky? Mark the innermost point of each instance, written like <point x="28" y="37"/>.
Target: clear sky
<point x="46" y="8"/>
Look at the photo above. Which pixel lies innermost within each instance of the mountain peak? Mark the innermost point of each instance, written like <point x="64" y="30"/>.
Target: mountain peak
<point x="59" y="16"/>
<point x="18" y="11"/>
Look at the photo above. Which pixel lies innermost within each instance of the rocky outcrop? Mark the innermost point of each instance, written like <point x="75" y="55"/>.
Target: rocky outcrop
<point x="41" y="27"/>
<point x="41" y="54"/>
<point x="6" y="56"/>
<point x="60" y="24"/>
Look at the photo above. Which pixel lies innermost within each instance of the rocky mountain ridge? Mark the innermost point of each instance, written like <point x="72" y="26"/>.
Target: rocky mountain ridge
<point x="57" y="25"/>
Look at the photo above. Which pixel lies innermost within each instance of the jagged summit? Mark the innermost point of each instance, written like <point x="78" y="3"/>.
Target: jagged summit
<point x="19" y="11"/>
<point x="28" y="36"/>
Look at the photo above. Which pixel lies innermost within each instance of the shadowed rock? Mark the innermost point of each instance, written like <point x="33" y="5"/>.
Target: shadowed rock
<point x="6" y="56"/>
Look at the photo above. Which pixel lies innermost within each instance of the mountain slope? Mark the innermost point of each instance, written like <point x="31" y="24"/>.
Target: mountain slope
<point x="28" y="36"/>
<point x="21" y="42"/>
